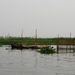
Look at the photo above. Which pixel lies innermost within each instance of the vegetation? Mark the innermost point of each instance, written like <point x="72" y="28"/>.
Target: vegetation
<point x="50" y="50"/>
<point x="28" y="40"/>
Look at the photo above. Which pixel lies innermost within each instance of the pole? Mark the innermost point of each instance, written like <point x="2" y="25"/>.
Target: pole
<point x="22" y="33"/>
<point x="70" y="42"/>
<point x="58" y="44"/>
<point x="36" y="36"/>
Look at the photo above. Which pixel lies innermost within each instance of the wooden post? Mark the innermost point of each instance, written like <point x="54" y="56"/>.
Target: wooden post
<point x="57" y="46"/>
<point x="36" y="37"/>
<point x="9" y="38"/>
<point x="70" y="42"/>
<point x="22" y="34"/>
<point x="73" y="45"/>
<point x="66" y="45"/>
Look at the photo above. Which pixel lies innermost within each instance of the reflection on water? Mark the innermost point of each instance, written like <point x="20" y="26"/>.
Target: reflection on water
<point x="30" y="62"/>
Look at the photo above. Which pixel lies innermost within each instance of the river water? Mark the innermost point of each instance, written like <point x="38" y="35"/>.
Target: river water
<point x="30" y="62"/>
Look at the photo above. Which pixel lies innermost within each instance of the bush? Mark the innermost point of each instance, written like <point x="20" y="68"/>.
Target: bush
<point x="50" y="50"/>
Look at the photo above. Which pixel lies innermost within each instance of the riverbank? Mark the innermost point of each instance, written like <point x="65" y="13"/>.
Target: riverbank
<point x="29" y="40"/>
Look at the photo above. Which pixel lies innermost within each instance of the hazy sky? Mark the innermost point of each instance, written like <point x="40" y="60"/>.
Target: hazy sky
<point x="49" y="17"/>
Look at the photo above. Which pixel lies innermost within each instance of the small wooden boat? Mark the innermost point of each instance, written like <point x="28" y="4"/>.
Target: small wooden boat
<point x="21" y="46"/>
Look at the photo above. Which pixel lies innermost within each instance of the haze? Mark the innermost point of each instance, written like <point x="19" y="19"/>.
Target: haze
<point x="49" y="17"/>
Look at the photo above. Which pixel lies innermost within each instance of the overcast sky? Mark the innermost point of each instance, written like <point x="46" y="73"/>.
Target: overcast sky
<point x="49" y="17"/>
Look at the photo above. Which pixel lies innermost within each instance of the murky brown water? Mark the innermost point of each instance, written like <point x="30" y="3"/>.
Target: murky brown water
<point x="30" y="62"/>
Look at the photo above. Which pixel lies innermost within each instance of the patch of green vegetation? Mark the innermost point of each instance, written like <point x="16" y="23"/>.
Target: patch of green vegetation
<point x="28" y="40"/>
<point x="0" y="45"/>
<point x="74" y="51"/>
<point x="50" y="50"/>
<point x="6" y="48"/>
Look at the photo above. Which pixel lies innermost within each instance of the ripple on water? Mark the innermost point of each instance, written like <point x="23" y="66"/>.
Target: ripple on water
<point x="30" y="62"/>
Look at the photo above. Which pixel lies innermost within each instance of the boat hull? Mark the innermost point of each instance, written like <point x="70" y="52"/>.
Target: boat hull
<point x="13" y="46"/>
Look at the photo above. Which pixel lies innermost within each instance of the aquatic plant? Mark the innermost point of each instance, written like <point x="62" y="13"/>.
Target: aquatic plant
<point x="49" y="50"/>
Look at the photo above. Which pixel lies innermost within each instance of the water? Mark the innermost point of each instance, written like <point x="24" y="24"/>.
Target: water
<point x="30" y="62"/>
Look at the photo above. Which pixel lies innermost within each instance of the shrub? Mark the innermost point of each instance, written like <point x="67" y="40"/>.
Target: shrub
<point x="48" y="50"/>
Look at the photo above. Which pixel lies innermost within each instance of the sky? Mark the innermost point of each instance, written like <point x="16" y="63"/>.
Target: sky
<point x="50" y="17"/>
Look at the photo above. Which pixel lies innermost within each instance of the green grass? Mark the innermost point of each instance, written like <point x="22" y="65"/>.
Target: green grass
<point x="50" y="50"/>
<point x="28" y="40"/>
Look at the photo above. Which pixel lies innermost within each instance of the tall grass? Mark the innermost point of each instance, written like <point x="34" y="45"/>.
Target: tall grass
<point x="28" y="40"/>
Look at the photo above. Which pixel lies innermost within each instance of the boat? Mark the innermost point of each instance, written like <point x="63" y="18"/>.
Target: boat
<point x="33" y="46"/>
<point x="22" y="46"/>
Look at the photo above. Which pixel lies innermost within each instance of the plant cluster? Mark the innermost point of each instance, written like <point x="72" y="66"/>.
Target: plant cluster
<point x="50" y="50"/>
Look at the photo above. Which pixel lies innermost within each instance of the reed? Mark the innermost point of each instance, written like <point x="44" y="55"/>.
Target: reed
<point x="28" y="40"/>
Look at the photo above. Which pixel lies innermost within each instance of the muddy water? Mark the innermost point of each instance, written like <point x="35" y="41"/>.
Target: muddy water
<point x="30" y="62"/>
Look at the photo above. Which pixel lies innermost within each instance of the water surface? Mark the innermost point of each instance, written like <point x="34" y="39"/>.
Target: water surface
<point x="30" y="62"/>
